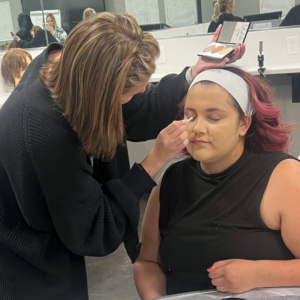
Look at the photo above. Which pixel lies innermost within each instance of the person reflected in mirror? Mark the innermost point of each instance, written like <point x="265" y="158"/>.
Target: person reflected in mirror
<point x="13" y="66"/>
<point x="25" y="25"/>
<point x="57" y="32"/>
<point x="88" y="12"/>
<point x="222" y="12"/>
<point x="38" y="38"/>
<point x="227" y="218"/>
<point x="293" y="17"/>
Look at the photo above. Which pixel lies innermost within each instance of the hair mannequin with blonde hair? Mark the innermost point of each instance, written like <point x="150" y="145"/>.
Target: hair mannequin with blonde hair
<point x="221" y="7"/>
<point x="88" y="12"/>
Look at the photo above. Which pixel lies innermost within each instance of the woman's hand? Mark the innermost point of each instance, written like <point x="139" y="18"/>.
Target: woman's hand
<point x="15" y="37"/>
<point x="169" y="143"/>
<point x="50" y="29"/>
<point x="206" y="64"/>
<point x="234" y="275"/>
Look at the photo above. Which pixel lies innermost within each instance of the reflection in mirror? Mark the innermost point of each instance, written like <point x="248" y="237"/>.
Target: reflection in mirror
<point x="170" y="18"/>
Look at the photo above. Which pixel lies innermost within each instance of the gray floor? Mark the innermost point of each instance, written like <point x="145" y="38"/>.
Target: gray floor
<point x="111" y="277"/>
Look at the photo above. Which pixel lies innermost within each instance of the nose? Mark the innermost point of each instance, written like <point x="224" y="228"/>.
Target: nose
<point x="199" y="127"/>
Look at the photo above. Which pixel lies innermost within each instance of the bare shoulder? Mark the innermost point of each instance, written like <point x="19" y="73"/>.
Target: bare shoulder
<point x="282" y="193"/>
<point x="288" y="171"/>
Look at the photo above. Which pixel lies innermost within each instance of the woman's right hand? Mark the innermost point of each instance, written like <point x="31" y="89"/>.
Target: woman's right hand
<point x="50" y="29"/>
<point x="170" y="142"/>
<point x="15" y="37"/>
<point x="168" y="145"/>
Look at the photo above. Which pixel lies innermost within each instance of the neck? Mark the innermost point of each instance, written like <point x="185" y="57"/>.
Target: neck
<point x="226" y="162"/>
<point x="17" y="79"/>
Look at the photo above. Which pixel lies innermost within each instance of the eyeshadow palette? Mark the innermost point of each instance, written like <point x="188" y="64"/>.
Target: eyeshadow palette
<point x="232" y="35"/>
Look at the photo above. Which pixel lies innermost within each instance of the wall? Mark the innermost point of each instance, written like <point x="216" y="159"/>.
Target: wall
<point x="118" y="6"/>
<point x="15" y="9"/>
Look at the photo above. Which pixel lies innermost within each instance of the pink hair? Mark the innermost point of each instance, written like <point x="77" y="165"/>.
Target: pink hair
<point x="268" y="132"/>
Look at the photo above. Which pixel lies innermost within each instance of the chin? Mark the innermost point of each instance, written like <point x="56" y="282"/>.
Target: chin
<point x="203" y="156"/>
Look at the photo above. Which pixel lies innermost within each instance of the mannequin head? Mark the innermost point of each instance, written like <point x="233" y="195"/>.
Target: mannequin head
<point x="14" y="64"/>
<point x="88" y="12"/>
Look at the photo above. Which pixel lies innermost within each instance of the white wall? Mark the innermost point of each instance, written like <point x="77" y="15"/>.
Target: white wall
<point x="118" y="6"/>
<point x="15" y="9"/>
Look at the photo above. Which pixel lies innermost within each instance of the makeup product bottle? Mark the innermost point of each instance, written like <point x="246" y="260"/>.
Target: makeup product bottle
<point x="232" y="35"/>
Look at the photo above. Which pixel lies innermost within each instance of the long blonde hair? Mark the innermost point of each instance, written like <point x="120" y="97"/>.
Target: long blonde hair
<point x="88" y="12"/>
<point x="53" y="20"/>
<point x="102" y="56"/>
<point x="221" y="7"/>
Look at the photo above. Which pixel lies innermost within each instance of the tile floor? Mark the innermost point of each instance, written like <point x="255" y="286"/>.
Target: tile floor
<point x="111" y="277"/>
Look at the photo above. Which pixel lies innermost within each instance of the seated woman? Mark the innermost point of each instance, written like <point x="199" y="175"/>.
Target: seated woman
<point x="58" y="32"/>
<point x="222" y="12"/>
<point x="39" y="38"/>
<point x="228" y="217"/>
<point x="14" y="63"/>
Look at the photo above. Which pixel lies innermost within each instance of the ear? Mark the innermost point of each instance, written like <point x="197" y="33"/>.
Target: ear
<point x="245" y="125"/>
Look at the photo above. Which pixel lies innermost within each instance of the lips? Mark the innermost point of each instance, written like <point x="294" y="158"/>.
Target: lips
<point x="199" y="142"/>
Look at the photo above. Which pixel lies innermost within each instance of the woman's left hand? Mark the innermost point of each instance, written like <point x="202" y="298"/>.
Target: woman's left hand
<point x="234" y="275"/>
<point x="206" y="64"/>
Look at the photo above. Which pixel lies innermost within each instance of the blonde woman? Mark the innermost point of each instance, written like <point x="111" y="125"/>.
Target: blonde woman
<point x="57" y="32"/>
<point x="66" y="187"/>
<point x="88" y="12"/>
<point x="222" y="12"/>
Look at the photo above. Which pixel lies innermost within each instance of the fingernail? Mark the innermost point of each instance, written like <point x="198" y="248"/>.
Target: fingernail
<point x="209" y="269"/>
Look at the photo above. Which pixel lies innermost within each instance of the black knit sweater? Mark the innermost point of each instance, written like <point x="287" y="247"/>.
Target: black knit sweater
<point x="53" y="210"/>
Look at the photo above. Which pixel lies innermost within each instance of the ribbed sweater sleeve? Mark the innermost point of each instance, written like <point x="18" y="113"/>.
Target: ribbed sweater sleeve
<point x="148" y="113"/>
<point x="90" y="219"/>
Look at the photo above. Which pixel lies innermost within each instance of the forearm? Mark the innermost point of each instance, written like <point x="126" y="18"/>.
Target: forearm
<point x="272" y="273"/>
<point x="150" y="280"/>
<point x="152" y="165"/>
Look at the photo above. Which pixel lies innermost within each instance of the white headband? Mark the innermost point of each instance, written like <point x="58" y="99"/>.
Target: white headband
<point x="232" y="83"/>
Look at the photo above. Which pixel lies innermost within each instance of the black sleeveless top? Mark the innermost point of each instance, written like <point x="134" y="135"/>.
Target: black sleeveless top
<point x="207" y="218"/>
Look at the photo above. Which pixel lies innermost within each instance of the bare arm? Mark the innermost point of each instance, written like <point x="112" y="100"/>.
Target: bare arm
<point x="149" y="274"/>
<point x="285" y="190"/>
<point x="282" y="202"/>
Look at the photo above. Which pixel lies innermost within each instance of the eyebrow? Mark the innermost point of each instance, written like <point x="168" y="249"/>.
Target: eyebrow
<point x="213" y="109"/>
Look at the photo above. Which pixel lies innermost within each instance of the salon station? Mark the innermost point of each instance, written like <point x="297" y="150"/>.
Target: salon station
<point x="183" y="29"/>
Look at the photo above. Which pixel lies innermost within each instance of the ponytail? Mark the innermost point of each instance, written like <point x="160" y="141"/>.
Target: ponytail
<point x="217" y="12"/>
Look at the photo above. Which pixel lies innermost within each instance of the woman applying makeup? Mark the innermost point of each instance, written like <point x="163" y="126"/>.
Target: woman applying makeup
<point x="228" y="217"/>
<point x="222" y="12"/>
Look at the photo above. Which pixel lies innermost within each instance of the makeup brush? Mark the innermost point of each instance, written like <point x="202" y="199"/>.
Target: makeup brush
<point x="186" y="121"/>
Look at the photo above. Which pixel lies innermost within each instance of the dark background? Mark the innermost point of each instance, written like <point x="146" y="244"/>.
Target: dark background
<point x="71" y="10"/>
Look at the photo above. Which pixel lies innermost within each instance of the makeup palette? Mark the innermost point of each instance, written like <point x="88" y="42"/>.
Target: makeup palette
<point x="232" y="35"/>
